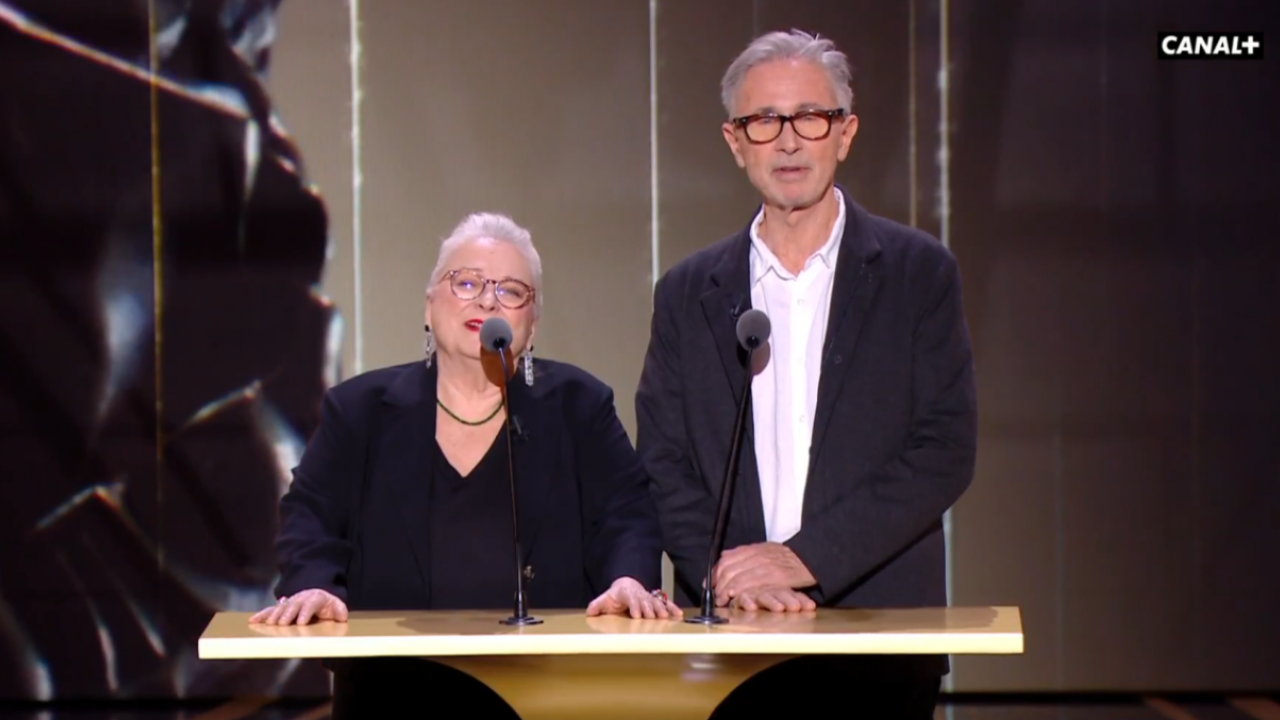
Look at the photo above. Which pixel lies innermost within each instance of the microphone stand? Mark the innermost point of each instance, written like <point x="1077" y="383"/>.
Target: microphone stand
<point x="708" y="615"/>
<point x="521" y="615"/>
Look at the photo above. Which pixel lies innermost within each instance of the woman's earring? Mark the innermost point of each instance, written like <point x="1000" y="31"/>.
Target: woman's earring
<point x="528" y="366"/>
<point x="429" y="345"/>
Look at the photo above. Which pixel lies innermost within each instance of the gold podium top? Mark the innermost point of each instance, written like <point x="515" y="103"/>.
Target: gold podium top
<point x="942" y="631"/>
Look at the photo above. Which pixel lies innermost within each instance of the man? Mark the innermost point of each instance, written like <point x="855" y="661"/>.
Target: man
<point x="863" y="426"/>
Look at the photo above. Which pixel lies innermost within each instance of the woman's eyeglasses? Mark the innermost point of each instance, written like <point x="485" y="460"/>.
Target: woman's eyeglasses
<point x="469" y="285"/>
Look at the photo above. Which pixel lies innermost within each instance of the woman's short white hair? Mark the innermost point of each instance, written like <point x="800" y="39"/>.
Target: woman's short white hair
<point x="794" y="45"/>
<point x="490" y="226"/>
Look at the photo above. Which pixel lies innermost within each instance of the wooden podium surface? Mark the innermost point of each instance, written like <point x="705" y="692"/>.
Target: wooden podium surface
<point x="574" y="666"/>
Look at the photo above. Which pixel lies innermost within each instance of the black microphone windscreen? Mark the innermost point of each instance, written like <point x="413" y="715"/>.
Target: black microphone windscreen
<point x="495" y="334"/>
<point x="753" y="329"/>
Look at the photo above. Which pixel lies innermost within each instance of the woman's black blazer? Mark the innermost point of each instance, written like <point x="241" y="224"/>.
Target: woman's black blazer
<point x="355" y="519"/>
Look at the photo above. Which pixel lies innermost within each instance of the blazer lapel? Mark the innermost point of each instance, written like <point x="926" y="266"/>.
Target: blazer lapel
<point x="409" y="438"/>
<point x="728" y="299"/>
<point x="722" y="306"/>
<point x="855" y="287"/>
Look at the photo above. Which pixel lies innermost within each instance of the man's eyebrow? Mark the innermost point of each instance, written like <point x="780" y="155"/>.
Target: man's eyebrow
<point x="771" y="110"/>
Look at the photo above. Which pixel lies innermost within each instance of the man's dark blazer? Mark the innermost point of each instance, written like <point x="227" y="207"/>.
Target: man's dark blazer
<point x="354" y="521"/>
<point x="895" y="432"/>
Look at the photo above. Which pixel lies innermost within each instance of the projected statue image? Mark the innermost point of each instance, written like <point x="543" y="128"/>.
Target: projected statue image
<point x="164" y="345"/>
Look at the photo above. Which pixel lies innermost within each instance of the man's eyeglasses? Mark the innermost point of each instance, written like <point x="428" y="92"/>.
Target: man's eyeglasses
<point x="469" y="285"/>
<point x="808" y="124"/>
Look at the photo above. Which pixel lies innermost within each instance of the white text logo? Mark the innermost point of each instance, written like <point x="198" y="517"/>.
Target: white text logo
<point x="1225" y="46"/>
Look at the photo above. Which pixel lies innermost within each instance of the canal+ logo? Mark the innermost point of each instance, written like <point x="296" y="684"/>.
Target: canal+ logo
<point x="1210" y="46"/>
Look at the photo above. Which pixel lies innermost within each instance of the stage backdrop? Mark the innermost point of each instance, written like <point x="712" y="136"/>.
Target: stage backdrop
<point x="212" y="212"/>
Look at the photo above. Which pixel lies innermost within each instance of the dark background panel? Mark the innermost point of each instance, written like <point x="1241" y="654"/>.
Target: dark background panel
<point x="1114" y="216"/>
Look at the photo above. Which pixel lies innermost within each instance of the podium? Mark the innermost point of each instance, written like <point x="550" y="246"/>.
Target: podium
<point x="574" y="666"/>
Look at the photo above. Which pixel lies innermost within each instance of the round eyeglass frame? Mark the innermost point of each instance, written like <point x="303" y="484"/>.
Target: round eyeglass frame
<point x="745" y="123"/>
<point x="484" y="286"/>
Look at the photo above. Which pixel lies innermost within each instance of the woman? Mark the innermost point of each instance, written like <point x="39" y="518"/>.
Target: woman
<point x="402" y="498"/>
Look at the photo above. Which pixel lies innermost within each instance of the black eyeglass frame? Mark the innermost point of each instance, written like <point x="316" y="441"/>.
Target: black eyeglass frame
<point x="829" y="115"/>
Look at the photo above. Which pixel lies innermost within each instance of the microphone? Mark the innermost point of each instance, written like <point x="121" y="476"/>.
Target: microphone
<point x="735" y="312"/>
<point x="495" y="334"/>
<point x="753" y="332"/>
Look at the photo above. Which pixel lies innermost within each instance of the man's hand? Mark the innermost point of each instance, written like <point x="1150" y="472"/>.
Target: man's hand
<point x="304" y="607"/>
<point x="774" y="599"/>
<point x="762" y="565"/>
<point x="627" y="595"/>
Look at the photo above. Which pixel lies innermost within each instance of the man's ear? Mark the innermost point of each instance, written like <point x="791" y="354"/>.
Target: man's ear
<point x="734" y="147"/>
<point x="847" y="134"/>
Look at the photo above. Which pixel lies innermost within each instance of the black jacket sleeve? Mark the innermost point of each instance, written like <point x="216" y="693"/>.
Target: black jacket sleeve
<point x="623" y="537"/>
<point x="313" y="544"/>
<point x="686" y="508"/>
<point x="912" y="492"/>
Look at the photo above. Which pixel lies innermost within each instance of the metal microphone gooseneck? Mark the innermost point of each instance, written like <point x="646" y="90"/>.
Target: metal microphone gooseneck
<point x="496" y="335"/>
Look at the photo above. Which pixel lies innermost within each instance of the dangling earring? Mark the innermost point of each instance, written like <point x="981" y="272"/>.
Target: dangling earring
<point x="528" y="366"/>
<point x="429" y="345"/>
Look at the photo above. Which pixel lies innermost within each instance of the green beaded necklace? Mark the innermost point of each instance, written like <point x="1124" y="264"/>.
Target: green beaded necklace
<point x="492" y="415"/>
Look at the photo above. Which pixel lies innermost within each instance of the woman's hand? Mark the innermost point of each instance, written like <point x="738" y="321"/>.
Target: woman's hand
<point x="628" y="595"/>
<point x="307" y="605"/>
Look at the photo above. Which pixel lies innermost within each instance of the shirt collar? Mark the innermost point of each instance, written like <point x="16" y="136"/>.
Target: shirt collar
<point x="763" y="260"/>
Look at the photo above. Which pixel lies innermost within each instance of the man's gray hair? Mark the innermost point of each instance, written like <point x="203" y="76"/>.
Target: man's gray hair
<point x="794" y="45"/>
<point x="492" y="226"/>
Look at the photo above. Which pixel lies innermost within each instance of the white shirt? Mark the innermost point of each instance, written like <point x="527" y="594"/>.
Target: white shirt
<point x="785" y="392"/>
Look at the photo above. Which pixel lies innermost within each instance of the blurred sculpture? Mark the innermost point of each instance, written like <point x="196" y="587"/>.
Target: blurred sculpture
<point x="163" y="344"/>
